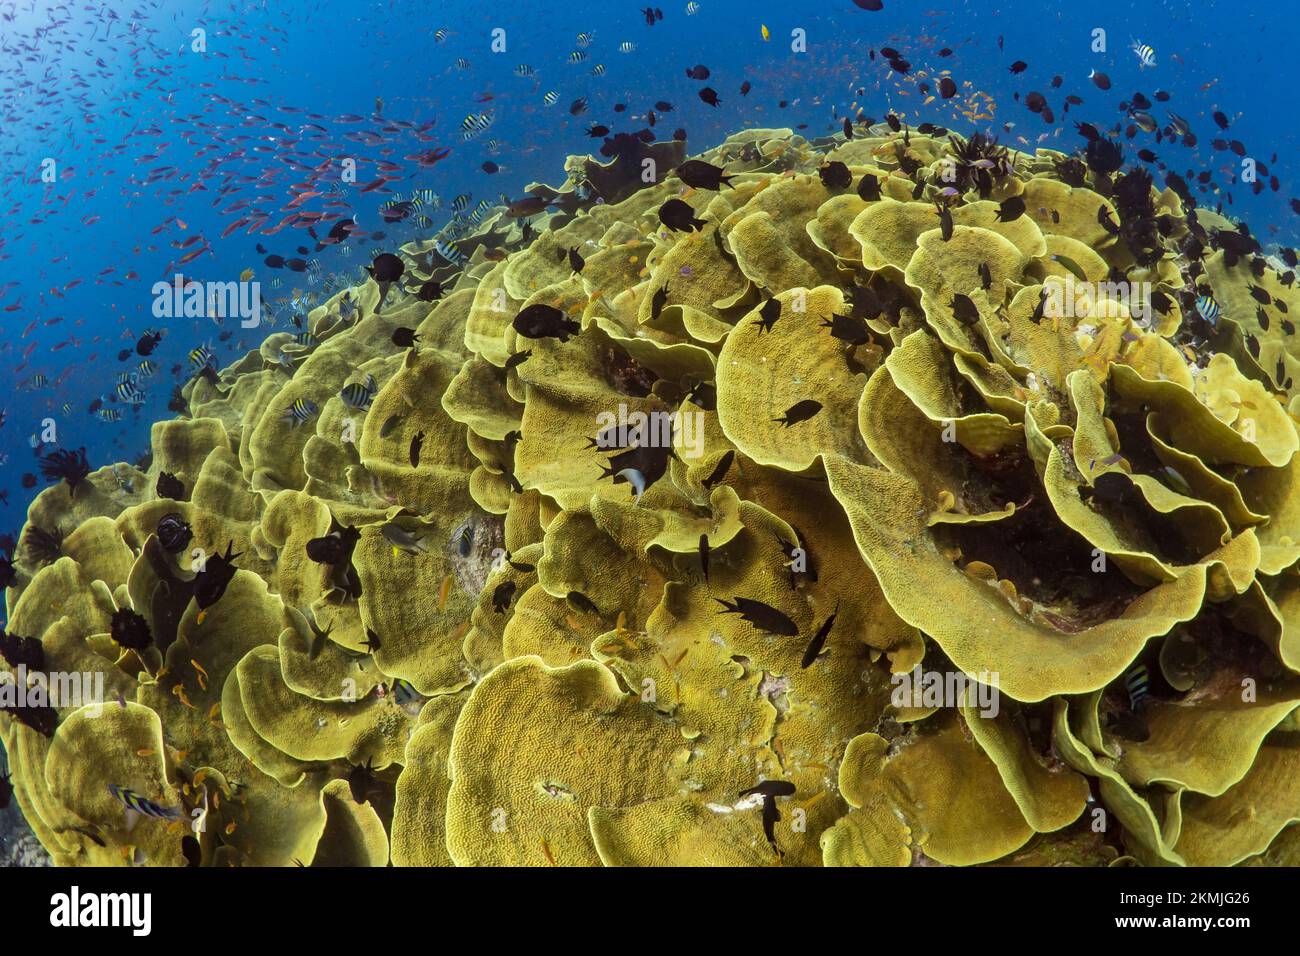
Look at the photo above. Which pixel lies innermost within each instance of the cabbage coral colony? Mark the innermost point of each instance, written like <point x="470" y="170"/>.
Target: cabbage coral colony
<point x="441" y="617"/>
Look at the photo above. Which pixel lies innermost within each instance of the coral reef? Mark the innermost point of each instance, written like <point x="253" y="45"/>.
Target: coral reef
<point x="916" y="425"/>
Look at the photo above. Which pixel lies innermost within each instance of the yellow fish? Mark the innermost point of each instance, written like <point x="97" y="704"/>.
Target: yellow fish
<point x="766" y="35"/>
<point x="246" y="275"/>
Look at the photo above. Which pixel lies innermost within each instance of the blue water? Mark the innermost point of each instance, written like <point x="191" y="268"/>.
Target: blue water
<point x="113" y="93"/>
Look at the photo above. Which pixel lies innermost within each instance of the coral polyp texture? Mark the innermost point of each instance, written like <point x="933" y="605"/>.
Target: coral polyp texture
<point x="890" y="504"/>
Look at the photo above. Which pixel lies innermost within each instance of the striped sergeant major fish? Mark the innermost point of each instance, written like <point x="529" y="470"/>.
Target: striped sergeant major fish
<point x="598" y="69"/>
<point x="1131" y="724"/>
<point x="449" y="251"/>
<point x="109" y="414"/>
<point x="577" y="56"/>
<point x="359" y="395"/>
<point x="130" y="392"/>
<point x="201" y="357"/>
<point x="550" y="98"/>
<point x="347" y="305"/>
<point x="1146" y="56"/>
<point x="523" y="69"/>
<point x="584" y="39"/>
<point x="299" y="412"/>
<point x="474" y="124"/>
<point x="1208" y="308"/>
<point x="461" y="202"/>
<point x="138" y="804"/>
<point x="1137" y="682"/>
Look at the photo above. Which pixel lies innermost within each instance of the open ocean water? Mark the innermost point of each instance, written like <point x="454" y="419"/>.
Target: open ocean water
<point x="156" y="149"/>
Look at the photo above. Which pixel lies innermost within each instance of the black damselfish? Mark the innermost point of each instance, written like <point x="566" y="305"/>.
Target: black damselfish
<point x="541" y="321"/>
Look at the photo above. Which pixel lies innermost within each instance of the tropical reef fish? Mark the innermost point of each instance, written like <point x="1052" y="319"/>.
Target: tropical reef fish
<point x="1208" y="309"/>
<point x="216" y="573"/>
<point x="819" y="639"/>
<point x="769" y="790"/>
<point x="701" y="175"/>
<point x="720" y="471"/>
<point x="138" y="804"/>
<point x="299" y="412"/>
<point x="403" y="540"/>
<point x="799" y="412"/>
<point x="1145" y="54"/>
<point x="679" y="216"/>
<point x="762" y="616"/>
<point x="359" y="395"/>
<point x="541" y="321"/>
